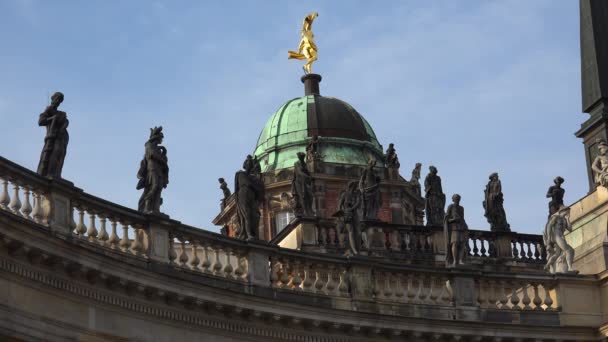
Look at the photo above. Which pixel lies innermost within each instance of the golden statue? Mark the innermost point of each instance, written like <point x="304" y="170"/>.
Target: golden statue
<point x="307" y="48"/>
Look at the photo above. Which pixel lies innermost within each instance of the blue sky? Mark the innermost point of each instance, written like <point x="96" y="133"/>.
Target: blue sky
<point x="471" y="87"/>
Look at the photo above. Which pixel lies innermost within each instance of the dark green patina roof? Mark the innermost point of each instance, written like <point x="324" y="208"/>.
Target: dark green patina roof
<point x="345" y="136"/>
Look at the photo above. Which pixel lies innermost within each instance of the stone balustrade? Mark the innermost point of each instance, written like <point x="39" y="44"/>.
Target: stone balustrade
<point x="517" y="294"/>
<point x="65" y="209"/>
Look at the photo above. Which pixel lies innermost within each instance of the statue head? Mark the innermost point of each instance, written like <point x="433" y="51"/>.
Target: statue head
<point x="602" y="147"/>
<point x="558" y="181"/>
<point x="494" y="176"/>
<point x="221" y="180"/>
<point x="248" y="163"/>
<point x="456" y="198"/>
<point x="352" y="186"/>
<point x="301" y="156"/>
<point x="56" y="99"/>
<point x="156" y="135"/>
<point x="433" y="170"/>
<point x="371" y="163"/>
<point x="391" y="146"/>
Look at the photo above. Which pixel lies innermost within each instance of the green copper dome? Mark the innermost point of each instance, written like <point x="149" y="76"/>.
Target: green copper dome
<point x="345" y="137"/>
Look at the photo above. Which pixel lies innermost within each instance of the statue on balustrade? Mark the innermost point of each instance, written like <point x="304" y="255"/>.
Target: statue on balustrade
<point x="415" y="180"/>
<point x="369" y="185"/>
<point x="391" y="156"/>
<point x="348" y="213"/>
<point x="600" y="165"/>
<point x="248" y="192"/>
<point x="225" y="190"/>
<point x="493" y="205"/>
<point x="556" y="193"/>
<point x="55" y="140"/>
<point x="153" y="172"/>
<point x="302" y="187"/>
<point x="560" y="255"/>
<point x="456" y="233"/>
<point x="434" y="198"/>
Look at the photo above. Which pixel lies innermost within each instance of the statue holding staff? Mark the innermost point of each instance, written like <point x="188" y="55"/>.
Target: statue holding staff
<point x="153" y="172"/>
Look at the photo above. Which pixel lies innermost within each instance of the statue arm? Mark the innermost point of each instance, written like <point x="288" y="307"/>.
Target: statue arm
<point x="597" y="165"/>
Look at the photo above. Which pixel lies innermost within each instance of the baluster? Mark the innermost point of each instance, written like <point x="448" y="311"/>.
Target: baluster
<point x="419" y="298"/>
<point x="92" y="231"/>
<point x="530" y="254"/>
<point x="5" y="198"/>
<point x="15" y="203"/>
<point x="475" y="249"/>
<point x="71" y="224"/>
<point x="522" y="252"/>
<point x="125" y="243"/>
<point x="297" y="280"/>
<point x="482" y="251"/>
<point x="548" y="300"/>
<point x="172" y="252"/>
<point x="446" y="297"/>
<point x="194" y="261"/>
<point x="80" y="226"/>
<point x="537" y="251"/>
<point x="514" y="297"/>
<point x="228" y="269"/>
<point x="37" y="212"/>
<point x="492" y="297"/>
<point x="274" y="272"/>
<point x="502" y="295"/>
<point x="113" y="240"/>
<point x="431" y="296"/>
<point x="284" y="273"/>
<point x="515" y="252"/>
<point x="399" y="290"/>
<point x="525" y="298"/>
<point x="343" y="285"/>
<point x="26" y="209"/>
<point x="537" y="301"/>
<point x="206" y="261"/>
<point x="388" y="292"/>
<point x="217" y="265"/>
<point x="183" y="256"/>
<point x="138" y="245"/>
<point x="239" y="271"/>
<point x="103" y="234"/>
<point x="410" y="288"/>
<point x="307" y="283"/>
<point x="319" y="283"/>
<point x="330" y="286"/>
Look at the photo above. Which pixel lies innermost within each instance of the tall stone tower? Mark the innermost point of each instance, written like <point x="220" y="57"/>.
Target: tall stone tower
<point x="594" y="77"/>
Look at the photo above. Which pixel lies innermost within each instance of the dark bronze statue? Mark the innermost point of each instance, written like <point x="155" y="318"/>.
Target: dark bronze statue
<point x="556" y="193"/>
<point x="248" y="192"/>
<point x="348" y="206"/>
<point x="302" y="187"/>
<point x="456" y="233"/>
<point x="391" y="156"/>
<point x="153" y="172"/>
<point x="415" y="180"/>
<point x="369" y="185"/>
<point x="225" y="190"/>
<point x="434" y="198"/>
<point x="312" y="149"/>
<point x="493" y="205"/>
<point x="56" y="139"/>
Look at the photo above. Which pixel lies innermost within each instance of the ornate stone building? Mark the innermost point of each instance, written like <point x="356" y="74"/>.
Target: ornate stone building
<point x="355" y="264"/>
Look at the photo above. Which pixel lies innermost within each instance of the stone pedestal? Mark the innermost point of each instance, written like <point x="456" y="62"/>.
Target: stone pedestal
<point x="589" y="236"/>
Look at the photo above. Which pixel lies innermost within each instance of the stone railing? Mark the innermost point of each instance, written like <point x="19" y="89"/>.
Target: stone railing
<point x="124" y="233"/>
